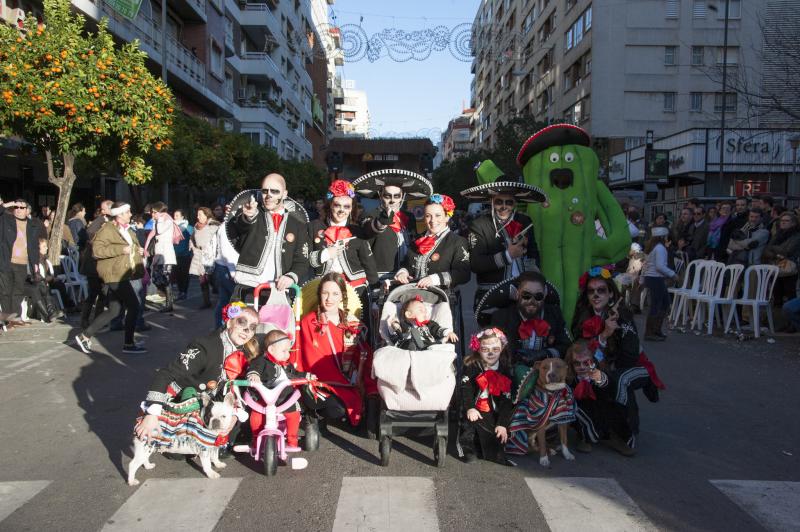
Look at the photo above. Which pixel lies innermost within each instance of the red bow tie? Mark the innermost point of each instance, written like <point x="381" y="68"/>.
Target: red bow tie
<point x="592" y="327"/>
<point x="425" y="244"/>
<point x="584" y="390"/>
<point x="334" y="233"/>
<point x="276" y="220"/>
<point x="513" y="228"/>
<point x="399" y="222"/>
<point x="495" y="383"/>
<point x="421" y="323"/>
<point x="533" y="326"/>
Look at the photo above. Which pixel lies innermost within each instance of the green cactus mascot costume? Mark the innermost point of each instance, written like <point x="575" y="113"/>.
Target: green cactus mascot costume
<point x="559" y="161"/>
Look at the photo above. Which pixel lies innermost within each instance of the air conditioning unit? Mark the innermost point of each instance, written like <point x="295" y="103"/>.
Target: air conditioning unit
<point x="226" y="124"/>
<point x="242" y="94"/>
<point x="13" y="16"/>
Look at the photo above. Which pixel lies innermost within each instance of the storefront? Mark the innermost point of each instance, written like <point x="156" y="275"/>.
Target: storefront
<point x="755" y="161"/>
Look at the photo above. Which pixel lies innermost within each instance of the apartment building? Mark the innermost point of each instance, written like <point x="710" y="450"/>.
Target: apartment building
<point x="456" y="139"/>
<point x="351" y="110"/>
<point x="617" y="68"/>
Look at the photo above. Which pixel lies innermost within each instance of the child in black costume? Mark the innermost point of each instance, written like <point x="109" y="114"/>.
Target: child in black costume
<point x="486" y="405"/>
<point x="415" y="331"/>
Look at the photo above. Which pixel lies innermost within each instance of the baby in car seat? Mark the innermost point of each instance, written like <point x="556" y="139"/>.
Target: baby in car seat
<point x="415" y="331"/>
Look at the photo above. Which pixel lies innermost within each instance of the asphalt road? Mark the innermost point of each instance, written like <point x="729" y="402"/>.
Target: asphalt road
<point x="729" y="414"/>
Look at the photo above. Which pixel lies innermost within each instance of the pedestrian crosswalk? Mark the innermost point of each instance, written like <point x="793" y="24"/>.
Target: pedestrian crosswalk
<point x="409" y="504"/>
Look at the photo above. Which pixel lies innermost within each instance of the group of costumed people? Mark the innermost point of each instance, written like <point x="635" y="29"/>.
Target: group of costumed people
<point x="543" y="293"/>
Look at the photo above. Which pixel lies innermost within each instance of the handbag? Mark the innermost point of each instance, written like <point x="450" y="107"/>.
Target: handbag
<point x="786" y="267"/>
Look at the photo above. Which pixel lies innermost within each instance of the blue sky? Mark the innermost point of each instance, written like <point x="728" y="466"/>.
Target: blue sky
<point x="413" y="96"/>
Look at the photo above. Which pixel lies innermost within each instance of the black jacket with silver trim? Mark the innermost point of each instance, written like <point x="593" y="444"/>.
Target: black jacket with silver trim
<point x="357" y="260"/>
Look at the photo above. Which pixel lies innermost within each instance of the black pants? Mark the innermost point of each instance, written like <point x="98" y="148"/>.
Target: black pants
<point x="474" y="434"/>
<point x="40" y="300"/>
<point x="118" y="294"/>
<point x="94" y="301"/>
<point x="12" y="287"/>
<point x="181" y="272"/>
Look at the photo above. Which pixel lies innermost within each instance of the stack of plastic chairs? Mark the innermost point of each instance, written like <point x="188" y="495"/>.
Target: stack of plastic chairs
<point x="695" y="272"/>
<point x="759" y="282"/>
<point x="718" y="280"/>
<point x="76" y="283"/>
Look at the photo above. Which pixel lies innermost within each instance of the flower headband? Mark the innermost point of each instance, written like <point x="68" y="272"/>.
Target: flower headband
<point x="593" y="273"/>
<point x="340" y="189"/>
<point x="232" y="310"/>
<point x="445" y="201"/>
<point x="475" y="341"/>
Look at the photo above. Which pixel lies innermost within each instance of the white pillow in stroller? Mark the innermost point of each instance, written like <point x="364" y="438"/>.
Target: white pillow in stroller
<point x="390" y="366"/>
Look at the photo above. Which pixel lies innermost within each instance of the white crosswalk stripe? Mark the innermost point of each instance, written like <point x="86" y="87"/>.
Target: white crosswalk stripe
<point x="15" y="494"/>
<point x="774" y="504"/>
<point x="399" y="504"/>
<point x="570" y="504"/>
<point x="194" y="504"/>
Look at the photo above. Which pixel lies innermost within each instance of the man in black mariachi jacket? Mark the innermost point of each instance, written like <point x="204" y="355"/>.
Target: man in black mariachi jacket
<point x="272" y="245"/>
<point x="390" y="230"/>
<point x="502" y="243"/>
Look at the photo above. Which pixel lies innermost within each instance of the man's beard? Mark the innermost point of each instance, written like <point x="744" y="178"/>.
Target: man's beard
<point x="528" y="311"/>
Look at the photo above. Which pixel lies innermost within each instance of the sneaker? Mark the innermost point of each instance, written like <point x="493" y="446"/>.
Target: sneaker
<point x="156" y="298"/>
<point x="292" y="448"/>
<point x="84" y="343"/>
<point x="133" y="349"/>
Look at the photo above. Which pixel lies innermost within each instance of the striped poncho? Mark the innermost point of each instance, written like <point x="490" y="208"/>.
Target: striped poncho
<point x="542" y="408"/>
<point x="184" y="430"/>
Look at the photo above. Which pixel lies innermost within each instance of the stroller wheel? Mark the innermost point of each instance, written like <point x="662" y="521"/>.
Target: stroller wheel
<point x="440" y="450"/>
<point x="270" y="457"/>
<point x="311" y="440"/>
<point x="386" y="450"/>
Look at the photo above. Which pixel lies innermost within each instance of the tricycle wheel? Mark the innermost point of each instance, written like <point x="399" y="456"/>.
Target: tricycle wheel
<point x="311" y="439"/>
<point x="270" y="457"/>
<point x="440" y="450"/>
<point x="386" y="449"/>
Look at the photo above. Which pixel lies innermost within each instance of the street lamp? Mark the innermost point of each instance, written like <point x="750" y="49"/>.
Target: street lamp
<point x="724" y="89"/>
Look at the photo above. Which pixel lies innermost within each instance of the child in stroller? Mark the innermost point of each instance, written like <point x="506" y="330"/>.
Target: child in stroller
<point x="415" y="331"/>
<point x="415" y="387"/>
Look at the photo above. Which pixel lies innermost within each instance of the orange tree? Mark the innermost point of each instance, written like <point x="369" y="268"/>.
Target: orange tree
<point x="72" y="93"/>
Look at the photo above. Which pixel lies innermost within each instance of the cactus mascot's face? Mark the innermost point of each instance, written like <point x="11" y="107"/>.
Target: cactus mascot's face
<point x="558" y="160"/>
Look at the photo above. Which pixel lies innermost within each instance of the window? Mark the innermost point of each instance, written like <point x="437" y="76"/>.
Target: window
<point x="734" y="9"/>
<point x="587" y="19"/>
<point x="271" y="138"/>
<point x="730" y="102"/>
<point x="575" y="33"/>
<point x="699" y="9"/>
<point x="528" y="24"/>
<point x="673" y="8"/>
<point x="670" y="55"/>
<point x="217" y="60"/>
<point x="733" y="55"/>
<point x="697" y="55"/>
<point x="669" y="102"/>
<point x="696" y="102"/>
<point x="253" y="136"/>
<point x="229" y="86"/>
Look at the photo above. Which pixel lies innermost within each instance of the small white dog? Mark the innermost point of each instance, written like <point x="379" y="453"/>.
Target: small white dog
<point x="219" y="420"/>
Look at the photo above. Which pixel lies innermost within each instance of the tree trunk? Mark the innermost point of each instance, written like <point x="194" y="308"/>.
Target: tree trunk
<point x="64" y="184"/>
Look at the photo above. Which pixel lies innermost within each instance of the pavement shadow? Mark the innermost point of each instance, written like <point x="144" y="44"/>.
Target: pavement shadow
<point x="102" y="390"/>
<point x="350" y="447"/>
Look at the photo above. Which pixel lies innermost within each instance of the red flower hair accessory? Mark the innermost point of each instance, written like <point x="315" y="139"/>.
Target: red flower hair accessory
<point x="475" y="341"/>
<point x="232" y="310"/>
<point x="340" y="189"/>
<point x="445" y="201"/>
<point x="593" y="273"/>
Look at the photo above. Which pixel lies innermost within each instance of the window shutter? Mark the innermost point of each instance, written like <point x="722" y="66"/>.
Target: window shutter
<point x="672" y="8"/>
<point x="699" y="9"/>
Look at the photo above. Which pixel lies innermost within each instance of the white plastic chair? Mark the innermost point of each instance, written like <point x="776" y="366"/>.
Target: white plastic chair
<point x="76" y="283"/>
<point x="765" y="276"/>
<point x="691" y="285"/>
<point x="716" y="299"/>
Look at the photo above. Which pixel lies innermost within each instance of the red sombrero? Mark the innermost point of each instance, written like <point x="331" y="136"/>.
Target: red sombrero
<point x="555" y="135"/>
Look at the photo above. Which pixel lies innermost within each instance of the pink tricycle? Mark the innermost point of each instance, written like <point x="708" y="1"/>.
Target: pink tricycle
<point x="270" y="443"/>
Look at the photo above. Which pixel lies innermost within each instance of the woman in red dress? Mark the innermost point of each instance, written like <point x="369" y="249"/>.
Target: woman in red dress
<point x="333" y="349"/>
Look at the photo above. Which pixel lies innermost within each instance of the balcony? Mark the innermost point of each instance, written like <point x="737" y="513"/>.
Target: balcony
<point x="258" y="15"/>
<point x="190" y="10"/>
<point x="257" y="65"/>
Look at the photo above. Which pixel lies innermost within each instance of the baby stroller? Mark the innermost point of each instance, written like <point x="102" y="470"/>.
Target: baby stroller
<point x="416" y="387"/>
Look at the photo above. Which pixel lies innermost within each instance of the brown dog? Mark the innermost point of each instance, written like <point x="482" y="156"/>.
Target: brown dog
<point x="550" y="384"/>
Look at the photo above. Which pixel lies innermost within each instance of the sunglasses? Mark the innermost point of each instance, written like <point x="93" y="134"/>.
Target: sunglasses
<point x="244" y="323"/>
<point x="527" y="296"/>
<point x="271" y="191"/>
<point x="20" y="208"/>
<point x="388" y="196"/>
<point x="600" y="291"/>
<point x="498" y="202"/>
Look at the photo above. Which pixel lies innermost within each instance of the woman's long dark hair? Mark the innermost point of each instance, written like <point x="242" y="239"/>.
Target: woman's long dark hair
<point x="584" y="310"/>
<point x="337" y="278"/>
<point x="653" y="242"/>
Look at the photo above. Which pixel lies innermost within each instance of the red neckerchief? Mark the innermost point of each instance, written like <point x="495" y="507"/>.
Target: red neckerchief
<point x="421" y="323"/>
<point x="335" y="232"/>
<point x="276" y="220"/>
<point x="592" y="327"/>
<point x="584" y="390"/>
<point x="513" y="228"/>
<point x="275" y="361"/>
<point x="399" y="222"/>
<point x="536" y="325"/>
<point x="495" y="383"/>
<point x="425" y="244"/>
<point x="235" y="365"/>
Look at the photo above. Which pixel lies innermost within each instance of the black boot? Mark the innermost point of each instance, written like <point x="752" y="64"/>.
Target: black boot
<point x="42" y="311"/>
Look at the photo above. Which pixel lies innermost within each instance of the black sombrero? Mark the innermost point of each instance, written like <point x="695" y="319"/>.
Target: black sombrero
<point x="555" y="135"/>
<point x="494" y="182"/>
<point x="500" y="296"/>
<point x="414" y="185"/>
<point x="292" y="207"/>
